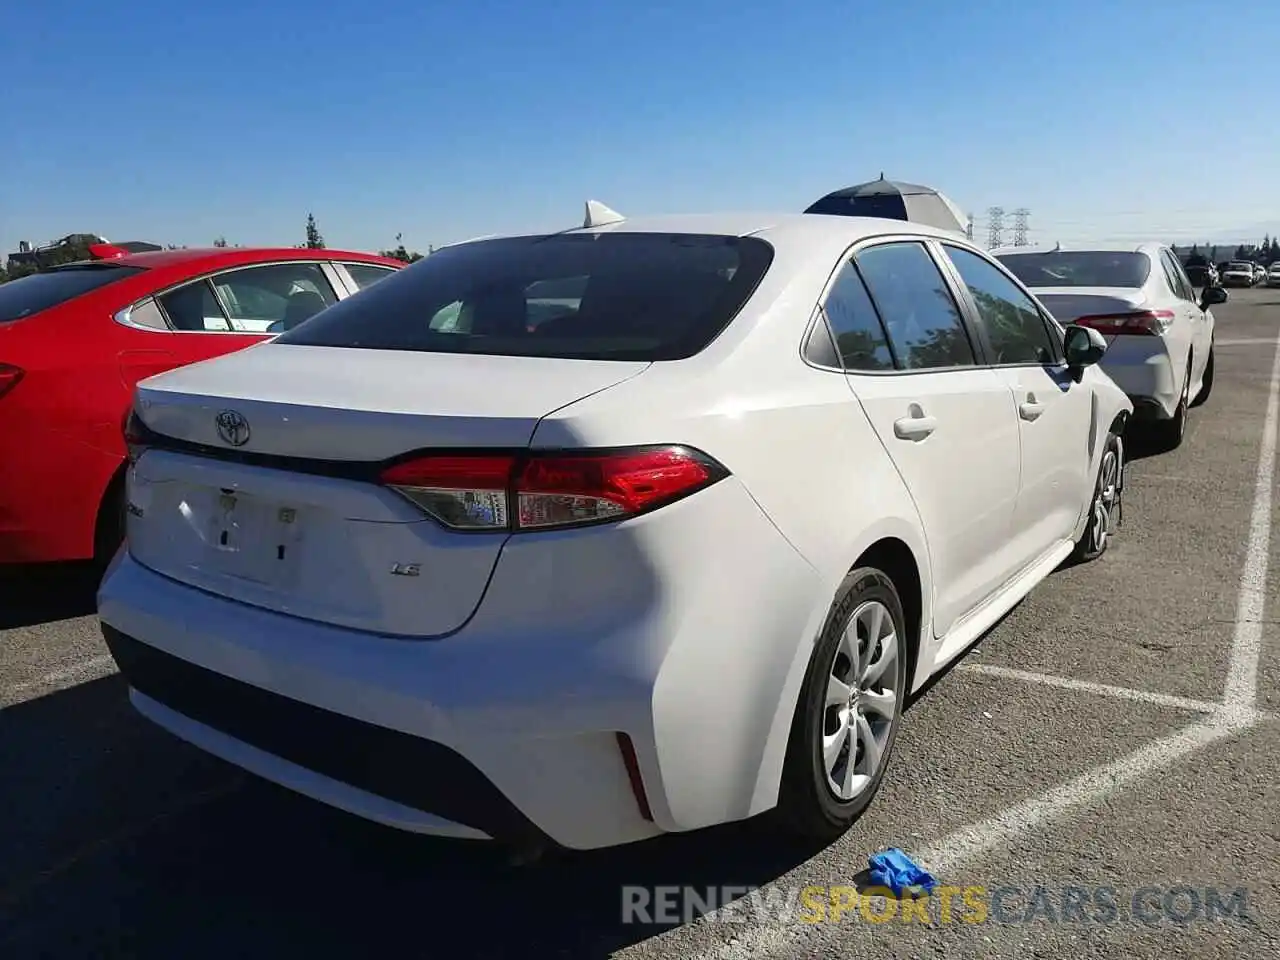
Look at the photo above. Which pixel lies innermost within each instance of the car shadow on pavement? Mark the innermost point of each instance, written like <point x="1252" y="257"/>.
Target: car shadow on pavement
<point x="119" y="840"/>
<point x="42" y="593"/>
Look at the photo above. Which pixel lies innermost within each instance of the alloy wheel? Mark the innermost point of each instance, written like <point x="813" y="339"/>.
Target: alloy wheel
<point x="861" y="700"/>
<point x="1104" y="504"/>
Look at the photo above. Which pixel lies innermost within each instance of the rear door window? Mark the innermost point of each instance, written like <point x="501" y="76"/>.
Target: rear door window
<point x="194" y="308"/>
<point x="273" y="296"/>
<point x="611" y="296"/>
<point x="367" y="274"/>
<point x="29" y="295"/>
<point x="924" y="324"/>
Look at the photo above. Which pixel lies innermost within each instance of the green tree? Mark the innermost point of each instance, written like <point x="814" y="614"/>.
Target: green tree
<point x="19" y="270"/>
<point x="222" y="241"/>
<point x="400" y="252"/>
<point x="315" y="241"/>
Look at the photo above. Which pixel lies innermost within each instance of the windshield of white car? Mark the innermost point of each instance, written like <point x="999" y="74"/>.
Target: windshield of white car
<point x="1079" y="268"/>
<point x="31" y="294"/>
<point x="611" y="296"/>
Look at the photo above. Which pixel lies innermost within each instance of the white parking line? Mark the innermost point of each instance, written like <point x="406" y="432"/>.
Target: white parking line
<point x="968" y="843"/>
<point x="1251" y="605"/>
<point x="1243" y="342"/>
<point x="1236" y="713"/>
<point x="1088" y="686"/>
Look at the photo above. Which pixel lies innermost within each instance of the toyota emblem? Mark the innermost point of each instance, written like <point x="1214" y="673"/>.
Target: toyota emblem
<point x="233" y="428"/>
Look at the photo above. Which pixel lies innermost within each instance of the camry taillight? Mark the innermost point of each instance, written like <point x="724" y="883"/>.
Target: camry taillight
<point x="551" y="490"/>
<point x="9" y="377"/>
<point x="1149" y="323"/>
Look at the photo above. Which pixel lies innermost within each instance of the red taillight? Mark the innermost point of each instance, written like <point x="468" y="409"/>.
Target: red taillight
<point x="9" y="377"/>
<point x="1148" y="323"/>
<point x="136" y="436"/>
<point x="467" y="493"/>
<point x="541" y="491"/>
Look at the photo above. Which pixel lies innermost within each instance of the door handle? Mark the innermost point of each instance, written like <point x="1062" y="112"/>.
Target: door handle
<point x="914" y="427"/>
<point x="1030" y="410"/>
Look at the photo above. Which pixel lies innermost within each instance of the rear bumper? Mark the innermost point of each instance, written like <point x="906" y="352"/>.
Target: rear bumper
<point x="408" y="771"/>
<point x="510" y="727"/>
<point x="1146" y="374"/>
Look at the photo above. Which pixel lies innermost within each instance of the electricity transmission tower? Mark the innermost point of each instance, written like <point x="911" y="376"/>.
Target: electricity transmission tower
<point x="1020" y="218"/>
<point x="995" y="226"/>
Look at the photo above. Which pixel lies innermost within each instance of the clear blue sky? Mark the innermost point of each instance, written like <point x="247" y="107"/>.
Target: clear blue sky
<point x="178" y="123"/>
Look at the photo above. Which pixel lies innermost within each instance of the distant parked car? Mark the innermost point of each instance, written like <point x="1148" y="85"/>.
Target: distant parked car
<point x="1273" y="275"/>
<point x="1160" y="334"/>
<point x="1239" y="273"/>
<point x="75" y="339"/>
<point x="1259" y="273"/>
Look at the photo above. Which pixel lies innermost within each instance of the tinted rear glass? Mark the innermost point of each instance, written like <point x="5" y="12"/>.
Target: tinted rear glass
<point x="1080" y="268"/>
<point x="612" y="296"/>
<point x="40" y="291"/>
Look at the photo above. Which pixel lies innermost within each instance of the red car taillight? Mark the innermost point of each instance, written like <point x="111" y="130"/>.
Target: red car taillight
<point x="137" y="436"/>
<point x="1149" y="323"/>
<point x="542" y="491"/>
<point x="9" y="377"/>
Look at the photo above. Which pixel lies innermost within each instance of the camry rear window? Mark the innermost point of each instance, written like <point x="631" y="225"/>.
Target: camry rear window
<point x="1079" y="268"/>
<point x="29" y="295"/>
<point x="611" y="296"/>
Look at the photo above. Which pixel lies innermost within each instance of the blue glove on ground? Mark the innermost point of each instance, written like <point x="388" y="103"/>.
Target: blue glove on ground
<point x="898" y="872"/>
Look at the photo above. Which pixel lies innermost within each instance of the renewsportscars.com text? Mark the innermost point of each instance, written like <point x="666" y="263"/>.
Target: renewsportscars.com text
<point x="1178" y="904"/>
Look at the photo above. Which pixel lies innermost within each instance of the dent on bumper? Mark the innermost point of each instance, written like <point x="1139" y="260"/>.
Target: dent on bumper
<point x="530" y="696"/>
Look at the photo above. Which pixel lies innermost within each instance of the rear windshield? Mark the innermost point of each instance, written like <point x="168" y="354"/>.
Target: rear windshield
<point x="1239" y="266"/>
<point x="611" y="296"/>
<point x="40" y="291"/>
<point x="1079" y="268"/>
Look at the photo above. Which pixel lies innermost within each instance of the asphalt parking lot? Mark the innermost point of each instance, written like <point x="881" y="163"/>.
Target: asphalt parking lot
<point x="1114" y="732"/>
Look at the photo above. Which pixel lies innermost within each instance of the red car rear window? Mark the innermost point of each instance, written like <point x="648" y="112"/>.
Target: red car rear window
<point x="29" y="295"/>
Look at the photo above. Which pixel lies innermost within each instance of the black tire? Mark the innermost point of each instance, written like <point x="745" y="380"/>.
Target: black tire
<point x="1169" y="434"/>
<point x="1104" y="506"/>
<point x="807" y="804"/>
<point x="1206" y="384"/>
<point x="112" y="522"/>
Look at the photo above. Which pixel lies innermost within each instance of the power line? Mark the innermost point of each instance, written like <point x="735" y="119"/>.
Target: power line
<point x="1020" y="218"/>
<point x="995" y="226"/>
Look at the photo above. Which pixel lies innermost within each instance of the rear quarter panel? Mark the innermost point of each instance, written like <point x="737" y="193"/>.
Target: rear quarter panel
<point x="798" y="441"/>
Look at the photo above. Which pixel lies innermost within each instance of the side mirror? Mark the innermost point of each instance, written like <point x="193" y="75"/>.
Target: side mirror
<point x="1083" y="347"/>
<point x="1213" y="296"/>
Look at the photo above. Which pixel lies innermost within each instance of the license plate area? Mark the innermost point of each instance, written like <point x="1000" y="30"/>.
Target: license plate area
<point x="254" y="539"/>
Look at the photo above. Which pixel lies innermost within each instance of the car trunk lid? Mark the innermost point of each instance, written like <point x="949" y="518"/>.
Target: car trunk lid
<point x="259" y="481"/>
<point x="1071" y="304"/>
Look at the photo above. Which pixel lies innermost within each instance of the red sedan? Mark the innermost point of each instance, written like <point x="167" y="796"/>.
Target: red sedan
<point x="75" y="339"/>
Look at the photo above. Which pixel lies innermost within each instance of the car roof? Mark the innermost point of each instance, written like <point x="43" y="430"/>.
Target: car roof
<point x="819" y="233"/>
<point x="1147" y="248"/>
<point x="200" y="259"/>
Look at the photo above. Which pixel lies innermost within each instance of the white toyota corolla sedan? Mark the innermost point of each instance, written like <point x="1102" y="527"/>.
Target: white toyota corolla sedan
<point x="581" y="538"/>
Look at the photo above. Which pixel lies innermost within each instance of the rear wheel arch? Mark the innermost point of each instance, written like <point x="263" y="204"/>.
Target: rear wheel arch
<point x="896" y="560"/>
<point x="108" y="528"/>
